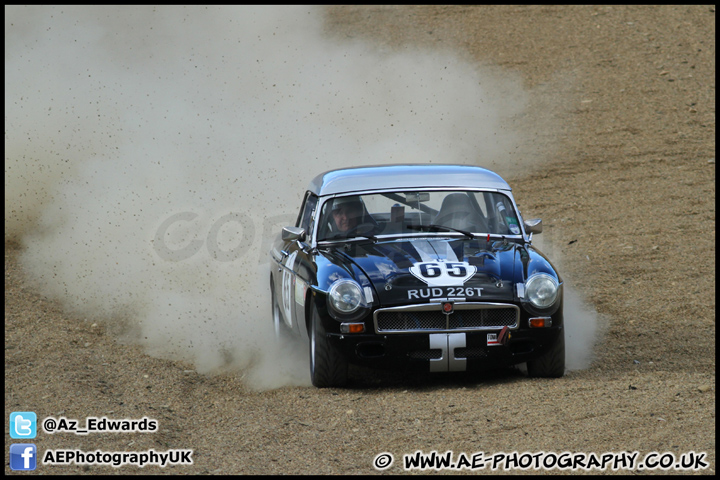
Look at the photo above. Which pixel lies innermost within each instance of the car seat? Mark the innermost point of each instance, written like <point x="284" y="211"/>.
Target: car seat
<point x="457" y="211"/>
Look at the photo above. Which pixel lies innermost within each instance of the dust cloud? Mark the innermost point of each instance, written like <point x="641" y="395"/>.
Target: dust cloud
<point x="584" y="326"/>
<point x="151" y="153"/>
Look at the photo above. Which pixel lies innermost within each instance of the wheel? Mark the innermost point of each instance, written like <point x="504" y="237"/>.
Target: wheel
<point x="327" y="367"/>
<point x="552" y="363"/>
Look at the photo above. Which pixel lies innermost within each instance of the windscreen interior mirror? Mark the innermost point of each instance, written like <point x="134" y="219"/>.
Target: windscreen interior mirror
<point x="416" y="197"/>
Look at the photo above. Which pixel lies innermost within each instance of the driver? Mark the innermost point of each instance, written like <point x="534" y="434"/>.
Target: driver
<point x="346" y="213"/>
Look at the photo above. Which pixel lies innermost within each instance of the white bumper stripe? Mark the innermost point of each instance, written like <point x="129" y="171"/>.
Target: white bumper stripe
<point x="448" y="361"/>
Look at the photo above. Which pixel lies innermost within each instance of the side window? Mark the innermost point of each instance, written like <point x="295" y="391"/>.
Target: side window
<point x="306" y="213"/>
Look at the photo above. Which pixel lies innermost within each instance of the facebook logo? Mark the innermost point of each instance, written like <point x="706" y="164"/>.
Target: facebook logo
<point x="23" y="425"/>
<point x="23" y="456"/>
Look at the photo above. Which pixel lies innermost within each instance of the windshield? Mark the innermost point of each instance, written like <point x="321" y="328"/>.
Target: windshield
<point x="405" y="213"/>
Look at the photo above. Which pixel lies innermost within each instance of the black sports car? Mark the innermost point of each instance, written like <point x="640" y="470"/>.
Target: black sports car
<point x="424" y="267"/>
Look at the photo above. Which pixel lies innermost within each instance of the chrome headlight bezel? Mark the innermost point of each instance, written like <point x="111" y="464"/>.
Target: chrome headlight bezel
<point x="541" y="290"/>
<point x="346" y="297"/>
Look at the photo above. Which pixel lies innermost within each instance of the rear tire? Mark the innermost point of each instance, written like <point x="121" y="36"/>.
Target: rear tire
<point x="552" y="363"/>
<point x="327" y="367"/>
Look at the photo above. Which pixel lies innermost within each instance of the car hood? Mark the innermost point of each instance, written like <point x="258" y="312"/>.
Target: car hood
<point x="420" y="268"/>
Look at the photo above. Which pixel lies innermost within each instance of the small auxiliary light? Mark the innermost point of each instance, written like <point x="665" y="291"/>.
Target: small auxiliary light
<point x="540" y="322"/>
<point x="352" y="327"/>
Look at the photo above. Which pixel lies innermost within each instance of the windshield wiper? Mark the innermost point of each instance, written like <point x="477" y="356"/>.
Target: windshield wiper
<point x="440" y="228"/>
<point x="342" y="236"/>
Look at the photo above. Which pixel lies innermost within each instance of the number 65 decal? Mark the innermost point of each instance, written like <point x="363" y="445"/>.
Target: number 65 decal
<point x="443" y="273"/>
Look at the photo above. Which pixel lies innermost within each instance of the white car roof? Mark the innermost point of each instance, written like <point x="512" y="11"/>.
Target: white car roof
<point x="399" y="177"/>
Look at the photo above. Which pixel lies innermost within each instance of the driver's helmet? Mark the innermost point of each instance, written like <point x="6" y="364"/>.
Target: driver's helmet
<point x="352" y="203"/>
<point x="352" y="207"/>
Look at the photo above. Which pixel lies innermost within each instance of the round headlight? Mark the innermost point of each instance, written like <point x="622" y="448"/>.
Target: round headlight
<point x="346" y="296"/>
<point x="542" y="290"/>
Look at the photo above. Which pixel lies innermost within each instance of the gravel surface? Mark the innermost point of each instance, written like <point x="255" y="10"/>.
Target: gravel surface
<point x="628" y="202"/>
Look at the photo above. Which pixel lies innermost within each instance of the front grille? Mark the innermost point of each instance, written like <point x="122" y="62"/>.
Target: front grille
<point x="430" y="317"/>
<point x="496" y="317"/>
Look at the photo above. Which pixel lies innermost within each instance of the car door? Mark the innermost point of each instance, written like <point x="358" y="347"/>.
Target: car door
<point x="295" y="265"/>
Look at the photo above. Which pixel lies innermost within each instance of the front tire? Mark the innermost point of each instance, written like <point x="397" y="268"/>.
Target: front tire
<point x="327" y="367"/>
<point x="552" y="363"/>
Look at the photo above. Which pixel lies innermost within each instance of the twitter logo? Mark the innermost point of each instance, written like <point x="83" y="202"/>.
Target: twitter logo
<point x="23" y="425"/>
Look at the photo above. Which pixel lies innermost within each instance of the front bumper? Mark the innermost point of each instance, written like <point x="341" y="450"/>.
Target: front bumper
<point x="438" y="352"/>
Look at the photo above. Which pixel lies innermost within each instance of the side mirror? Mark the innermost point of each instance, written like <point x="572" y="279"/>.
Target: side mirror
<point x="534" y="225"/>
<point x="293" y="233"/>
